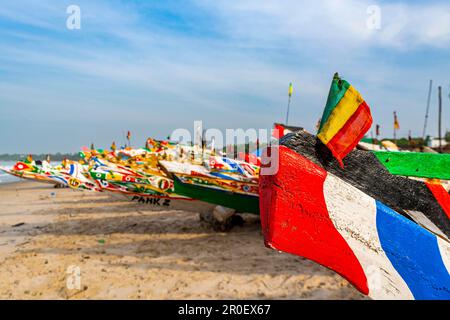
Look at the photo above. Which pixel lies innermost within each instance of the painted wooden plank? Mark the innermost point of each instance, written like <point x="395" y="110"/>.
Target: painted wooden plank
<point x="310" y="212"/>
<point x="416" y="164"/>
<point x="244" y="203"/>
<point x="364" y="171"/>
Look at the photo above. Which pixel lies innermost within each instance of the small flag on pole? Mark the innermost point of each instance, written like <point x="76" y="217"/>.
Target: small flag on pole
<point x="396" y="124"/>
<point x="345" y="120"/>
<point x="129" y="138"/>
<point x="290" y="91"/>
<point x="113" y="146"/>
<point x="377" y="130"/>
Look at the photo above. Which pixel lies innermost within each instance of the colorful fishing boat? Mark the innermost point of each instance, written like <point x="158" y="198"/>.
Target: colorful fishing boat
<point x="387" y="234"/>
<point x="217" y="179"/>
<point x="33" y="170"/>
<point x="74" y="175"/>
<point x="148" y="181"/>
<point x="360" y="222"/>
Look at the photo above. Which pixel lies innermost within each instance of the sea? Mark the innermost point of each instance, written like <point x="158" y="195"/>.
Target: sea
<point x="4" y="177"/>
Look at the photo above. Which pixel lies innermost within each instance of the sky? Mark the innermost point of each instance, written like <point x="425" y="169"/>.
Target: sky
<point x="154" y="66"/>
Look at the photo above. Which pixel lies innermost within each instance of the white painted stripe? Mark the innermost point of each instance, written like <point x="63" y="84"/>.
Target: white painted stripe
<point x="354" y="215"/>
<point x="444" y="248"/>
<point x="426" y="223"/>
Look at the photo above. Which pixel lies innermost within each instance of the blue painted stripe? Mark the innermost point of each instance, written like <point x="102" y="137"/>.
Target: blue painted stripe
<point x="414" y="253"/>
<point x="234" y="165"/>
<point x="223" y="176"/>
<point x="64" y="181"/>
<point x="72" y="169"/>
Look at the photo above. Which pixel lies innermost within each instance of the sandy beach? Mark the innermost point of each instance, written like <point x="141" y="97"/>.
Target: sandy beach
<point x="126" y="250"/>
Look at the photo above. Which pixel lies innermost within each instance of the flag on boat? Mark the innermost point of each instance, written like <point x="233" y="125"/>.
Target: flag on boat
<point x="280" y="130"/>
<point x="396" y="124"/>
<point x="377" y="130"/>
<point x="291" y="89"/>
<point x="128" y="135"/>
<point x="345" y="120"/>
<point x="113" y="146"/>
<point x="317" y="215"/>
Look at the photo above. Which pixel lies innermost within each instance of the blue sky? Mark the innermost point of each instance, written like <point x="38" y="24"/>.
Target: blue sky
<point x="154" y="66"/>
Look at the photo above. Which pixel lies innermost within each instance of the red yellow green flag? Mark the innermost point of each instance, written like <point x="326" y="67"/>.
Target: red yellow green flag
<point x="291" y="89"/>
<point x="345" y="120"/>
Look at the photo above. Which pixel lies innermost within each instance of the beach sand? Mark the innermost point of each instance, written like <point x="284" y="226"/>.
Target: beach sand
<point x="126" y="250"/>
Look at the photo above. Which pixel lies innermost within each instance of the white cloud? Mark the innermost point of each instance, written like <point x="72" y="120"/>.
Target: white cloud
<point x="237" y="76"/>
<point x="332" y="22"/>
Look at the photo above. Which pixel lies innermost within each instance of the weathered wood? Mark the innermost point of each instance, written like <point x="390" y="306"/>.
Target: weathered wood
<point x="416" y="164"/>
<point x="363" y="170"/>
<point x="308" y="211"/>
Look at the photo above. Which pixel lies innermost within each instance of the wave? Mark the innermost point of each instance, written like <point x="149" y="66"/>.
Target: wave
<point x="7" y="178"/>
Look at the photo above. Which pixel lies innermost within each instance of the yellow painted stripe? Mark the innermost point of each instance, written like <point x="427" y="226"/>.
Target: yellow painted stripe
<point x="341" y="114"/>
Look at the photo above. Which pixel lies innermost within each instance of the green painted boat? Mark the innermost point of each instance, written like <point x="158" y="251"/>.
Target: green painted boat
<point x="416" y="164"/>
<point x="243" y="203"/>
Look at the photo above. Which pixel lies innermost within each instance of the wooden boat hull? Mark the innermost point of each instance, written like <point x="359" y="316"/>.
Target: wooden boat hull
<point x="198" y="182"/>
<point x="28" y="175"/>
<point x="416" y="164"/>
<point x="140" y="190"/>
<point x="364" y="171"/>
<point x="163" y="204"/>
<point x="309" y="210"/>
<point x="244" y="203"/>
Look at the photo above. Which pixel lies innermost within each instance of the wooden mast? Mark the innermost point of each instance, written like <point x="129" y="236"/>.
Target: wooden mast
<point x="428" y="110"/>
<point x="440" y="119"/>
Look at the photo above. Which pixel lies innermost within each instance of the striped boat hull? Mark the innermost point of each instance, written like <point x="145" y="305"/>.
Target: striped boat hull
<point x="309" y="211"/>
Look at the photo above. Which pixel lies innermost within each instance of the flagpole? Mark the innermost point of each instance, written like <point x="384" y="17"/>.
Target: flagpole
<point x="289" y="102"/>
<point x="129" y="138"/>
<point x="125" y="140"/>
<point x="287" y="114"/>
<point x="440" y="119"/>
<point x="395" y="128"/>
<point x="428" y="110"/>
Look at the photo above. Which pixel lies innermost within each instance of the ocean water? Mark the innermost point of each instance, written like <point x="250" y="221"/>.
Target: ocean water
<point x="4" y="177"/>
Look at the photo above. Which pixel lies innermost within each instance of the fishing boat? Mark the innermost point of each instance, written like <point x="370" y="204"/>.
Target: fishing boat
<point x="139" y="177"/>
<point x="74" y="175"/>
<point x="150" y="182"/>
<point x="385" y="233"/>
<point x="228" y="186"/>
<point x="33" y="170"/>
